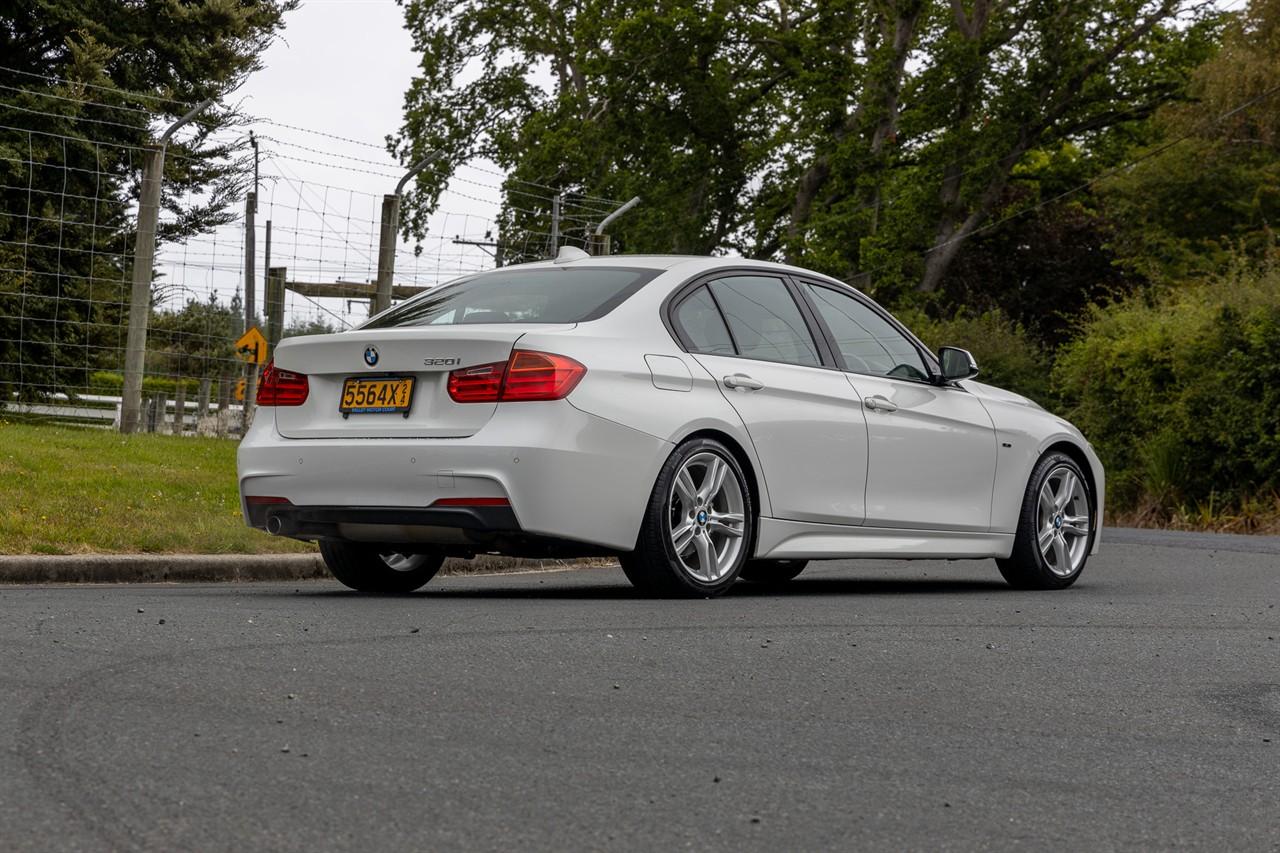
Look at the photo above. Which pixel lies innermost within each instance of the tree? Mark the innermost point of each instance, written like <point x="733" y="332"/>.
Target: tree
<point x="859" y="137"/>
<point x="668" y="102"/>
<point x="83" y="88"/>
<point x="195" y="341"/>
<point x="1215" y="188"/>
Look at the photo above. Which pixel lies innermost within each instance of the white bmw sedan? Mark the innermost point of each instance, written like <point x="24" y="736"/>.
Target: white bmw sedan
<point x="703" y="419"/>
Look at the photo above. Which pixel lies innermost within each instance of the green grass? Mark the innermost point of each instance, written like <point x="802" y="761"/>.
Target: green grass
<point x="68" y="490"/>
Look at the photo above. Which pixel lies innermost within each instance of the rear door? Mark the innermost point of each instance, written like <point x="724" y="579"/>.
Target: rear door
<point x="932" y="447"/>
<point x="808" y="429"/>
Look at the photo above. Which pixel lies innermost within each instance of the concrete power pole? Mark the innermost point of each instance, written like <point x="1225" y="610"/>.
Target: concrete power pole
<point x="144" y="255"/>
<point x="388" y="237"/>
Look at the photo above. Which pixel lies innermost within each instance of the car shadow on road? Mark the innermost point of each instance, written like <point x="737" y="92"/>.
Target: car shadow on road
<point x="603" y="588"/>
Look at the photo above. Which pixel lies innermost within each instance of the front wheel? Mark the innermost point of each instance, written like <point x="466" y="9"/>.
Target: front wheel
<point x="1055" y="527"/>
<point x="370" y="568"/>
<point x="698" y="526"/>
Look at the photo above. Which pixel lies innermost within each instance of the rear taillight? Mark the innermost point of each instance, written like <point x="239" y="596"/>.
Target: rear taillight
<point x="540" y="376"/>
<point x="282" y="387"/>
<point x="480" y="384"/>
<point x="525" y="377"/>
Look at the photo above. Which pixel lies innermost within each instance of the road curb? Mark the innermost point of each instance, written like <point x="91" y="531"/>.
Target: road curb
<point x="171" y="568"/>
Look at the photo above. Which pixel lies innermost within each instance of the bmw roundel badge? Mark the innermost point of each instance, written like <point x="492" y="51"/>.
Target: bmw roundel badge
<point x="371" y="356"/>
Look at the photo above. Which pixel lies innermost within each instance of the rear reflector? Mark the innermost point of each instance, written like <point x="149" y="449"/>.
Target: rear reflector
<point x="282" y="387"/>
<point x="472" y="502"/>
<point x="264" y="499"/>
<point x="527" y="376"/>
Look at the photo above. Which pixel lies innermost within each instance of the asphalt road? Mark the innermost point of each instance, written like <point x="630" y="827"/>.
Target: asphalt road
<point x="872" y="704"/>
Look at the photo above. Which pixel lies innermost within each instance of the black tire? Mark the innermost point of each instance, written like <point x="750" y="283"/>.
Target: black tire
<point x="772" y="572"/>
<point x="364" y="567"/>
<point x="1027" y="567"/>
<point x="654" y="567"/>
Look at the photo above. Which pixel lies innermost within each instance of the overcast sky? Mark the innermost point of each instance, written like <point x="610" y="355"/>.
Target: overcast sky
<point x="340" y="67"/>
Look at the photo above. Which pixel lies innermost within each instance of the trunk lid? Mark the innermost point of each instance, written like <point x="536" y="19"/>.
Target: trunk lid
<point x="427" y="354"/>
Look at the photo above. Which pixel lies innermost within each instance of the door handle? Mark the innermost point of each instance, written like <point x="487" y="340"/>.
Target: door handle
<point x="879" y="403"/>
<point x="743" y="382"/>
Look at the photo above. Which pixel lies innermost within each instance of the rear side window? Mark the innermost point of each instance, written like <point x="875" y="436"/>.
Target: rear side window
<point x="520" y="296"/>
<point x="700" y="320"/>
<point x="765" y="321"/>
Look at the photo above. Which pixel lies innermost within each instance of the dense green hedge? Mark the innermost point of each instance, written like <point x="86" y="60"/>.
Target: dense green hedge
<point x="106" y="382"/>
<point x="1180" y="394"/>
<point x="1006" y="356"/>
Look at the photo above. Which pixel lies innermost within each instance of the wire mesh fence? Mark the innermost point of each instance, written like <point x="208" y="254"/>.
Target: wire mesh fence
<point x="304" y="255"/>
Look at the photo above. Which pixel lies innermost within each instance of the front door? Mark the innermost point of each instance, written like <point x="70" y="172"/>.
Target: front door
<point x="932" y="448"/>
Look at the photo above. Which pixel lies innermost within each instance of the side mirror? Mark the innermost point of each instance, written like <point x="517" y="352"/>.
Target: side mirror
<point x="957" y="364"/>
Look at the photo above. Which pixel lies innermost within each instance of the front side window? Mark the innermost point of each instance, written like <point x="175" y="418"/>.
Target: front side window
<point x="558" y="295"/>
<point x="868" y="342"/>
<point x="765" y="321"/>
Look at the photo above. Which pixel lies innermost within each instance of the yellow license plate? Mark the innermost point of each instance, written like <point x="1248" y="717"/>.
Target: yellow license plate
<point x="362" y="396"/>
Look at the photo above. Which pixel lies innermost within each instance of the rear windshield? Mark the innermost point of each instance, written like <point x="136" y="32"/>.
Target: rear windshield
<point x="519" y="296"/>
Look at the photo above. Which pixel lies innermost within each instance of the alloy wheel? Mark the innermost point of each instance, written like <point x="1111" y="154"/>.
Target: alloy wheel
<point x="1063" y="528"/>
<point x="707" y="517"/>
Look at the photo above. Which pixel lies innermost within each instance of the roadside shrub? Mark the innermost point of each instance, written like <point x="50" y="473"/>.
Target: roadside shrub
<point x="108" y="383"/>
<point x="1180" y="394"/>
<point x="1006" y="355"/>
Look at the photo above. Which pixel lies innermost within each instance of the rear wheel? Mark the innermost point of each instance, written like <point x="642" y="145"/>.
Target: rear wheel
<point x="1055" y="527"/>
<point x="371" y="568"/>
<point x="697" y="529"/>
<point x="772" y="571"/>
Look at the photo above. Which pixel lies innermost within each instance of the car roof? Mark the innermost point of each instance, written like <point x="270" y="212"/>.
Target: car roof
<point x="691" y="264"/>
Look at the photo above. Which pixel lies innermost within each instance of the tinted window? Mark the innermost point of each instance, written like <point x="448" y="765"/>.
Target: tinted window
<point x="700" y="320"/>
<point x="868" y="342"/>
<point x="519" y="296"/>
<point x="764" y="319"/>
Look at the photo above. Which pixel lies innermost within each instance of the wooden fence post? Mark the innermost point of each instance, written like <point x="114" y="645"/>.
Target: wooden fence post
<point x="155" y="413"/>
<point x="202" y="402"/>
<point x="180" y="408"/>
<point x="224" y="403"/>
<point x="275" y="306"/>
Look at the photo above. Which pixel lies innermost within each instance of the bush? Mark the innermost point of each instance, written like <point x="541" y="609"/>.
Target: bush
<point x="1181" y="394"/>
<point x="1006" y="355"/>
<point x="107" y="383"/>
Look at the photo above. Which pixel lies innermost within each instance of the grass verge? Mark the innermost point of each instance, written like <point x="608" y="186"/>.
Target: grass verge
<point x="68" y="490"/>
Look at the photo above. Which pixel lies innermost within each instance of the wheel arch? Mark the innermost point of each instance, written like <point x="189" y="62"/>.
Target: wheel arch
<point x="1093" y="475"/>
<point x="754" y="483"/>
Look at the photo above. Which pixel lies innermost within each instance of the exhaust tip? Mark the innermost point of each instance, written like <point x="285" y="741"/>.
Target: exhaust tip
<point x="275" y="525"/>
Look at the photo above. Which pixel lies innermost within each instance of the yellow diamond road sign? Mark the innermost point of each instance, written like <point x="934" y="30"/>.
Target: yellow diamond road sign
<point x="252" y="347"/>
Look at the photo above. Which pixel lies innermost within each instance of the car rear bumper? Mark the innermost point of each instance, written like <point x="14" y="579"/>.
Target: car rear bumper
<point x="458" y="531"/>
<point x="568" y="477"/>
